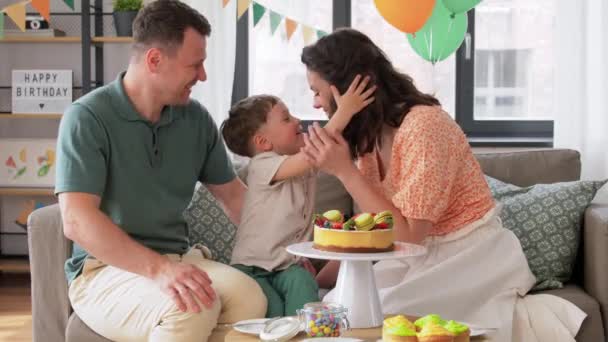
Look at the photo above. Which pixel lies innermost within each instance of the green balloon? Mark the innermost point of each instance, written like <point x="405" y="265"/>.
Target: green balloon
<point x="460" y="6"/>
<point x="440" y="36"/>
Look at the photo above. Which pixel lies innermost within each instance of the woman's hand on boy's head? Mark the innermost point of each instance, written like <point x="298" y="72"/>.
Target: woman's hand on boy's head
<point x="356" y="97"/>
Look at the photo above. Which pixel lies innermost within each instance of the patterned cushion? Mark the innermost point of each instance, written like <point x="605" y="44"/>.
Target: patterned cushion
<point x="547" y="219"/>
<point x="209" y="225"/>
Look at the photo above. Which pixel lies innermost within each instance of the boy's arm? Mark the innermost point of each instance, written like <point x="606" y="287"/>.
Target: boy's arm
<point x="350" y="103"/>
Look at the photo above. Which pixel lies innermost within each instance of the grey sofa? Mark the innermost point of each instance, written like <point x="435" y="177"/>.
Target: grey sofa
<point x="54" y="321"/>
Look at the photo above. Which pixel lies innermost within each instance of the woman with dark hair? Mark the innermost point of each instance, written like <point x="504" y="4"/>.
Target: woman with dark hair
<point x="414" y="160"/>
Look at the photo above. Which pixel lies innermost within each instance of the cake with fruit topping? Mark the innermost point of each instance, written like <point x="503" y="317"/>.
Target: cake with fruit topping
<point x="363" y="233"/>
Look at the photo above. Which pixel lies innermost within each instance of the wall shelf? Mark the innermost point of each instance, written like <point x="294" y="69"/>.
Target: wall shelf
<point x="30" y="116"/>
<point x="25" y="39"/>
<point x="112" y="39"/>
<point x="26" y="191"/>
<point x="14" y="264"/>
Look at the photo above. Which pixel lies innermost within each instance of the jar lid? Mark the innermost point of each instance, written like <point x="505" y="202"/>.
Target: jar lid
<point x="280" y="329"/>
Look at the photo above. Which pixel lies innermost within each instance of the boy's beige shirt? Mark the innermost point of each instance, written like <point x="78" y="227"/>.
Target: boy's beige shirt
<point x="274" y="215"/>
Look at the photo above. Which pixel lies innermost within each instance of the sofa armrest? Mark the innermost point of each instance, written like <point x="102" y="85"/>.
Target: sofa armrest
<point x="595" y="251"/>
<point x="49" y="250"/>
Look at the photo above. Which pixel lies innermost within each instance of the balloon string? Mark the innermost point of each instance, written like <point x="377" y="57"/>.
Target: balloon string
<point x="447" y="35"/>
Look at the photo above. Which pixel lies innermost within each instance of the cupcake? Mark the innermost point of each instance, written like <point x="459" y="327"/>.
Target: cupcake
<point x="398" y="328"/>
<point x="399" y="334"/>
<point x="433" y="332"/>
<point x="432" y="318"/>
<point x="461" y="332"/>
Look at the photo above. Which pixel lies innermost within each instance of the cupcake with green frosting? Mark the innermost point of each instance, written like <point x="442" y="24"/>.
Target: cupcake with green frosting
<point x="433" y="332"/>
<point x="432" y="318"/>
<point x="398" y="329"/>
<point x="461" y="332"/>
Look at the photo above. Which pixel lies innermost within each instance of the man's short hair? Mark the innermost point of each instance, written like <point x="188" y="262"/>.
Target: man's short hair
<point x="244" y="120"/>
<point x="162" y="23"/>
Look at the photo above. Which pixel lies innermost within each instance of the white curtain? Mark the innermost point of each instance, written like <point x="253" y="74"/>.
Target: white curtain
<point x="581" y="120"/>
<point x="216" y="93"/>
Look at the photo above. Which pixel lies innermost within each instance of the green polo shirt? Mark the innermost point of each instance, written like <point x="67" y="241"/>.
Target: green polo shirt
<point x="144" y="173"/>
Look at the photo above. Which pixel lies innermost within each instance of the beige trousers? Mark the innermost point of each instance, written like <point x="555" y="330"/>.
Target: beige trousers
<point x="123" y="306"/>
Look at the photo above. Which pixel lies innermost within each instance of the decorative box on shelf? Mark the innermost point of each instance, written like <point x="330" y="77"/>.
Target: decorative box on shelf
<point x="14" y="212"/>
<point x="27" y="162"/>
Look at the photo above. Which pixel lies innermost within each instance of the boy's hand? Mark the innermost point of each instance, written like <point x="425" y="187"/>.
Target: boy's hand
<point x="307" y="265"/>
<point x="355" y="98"/>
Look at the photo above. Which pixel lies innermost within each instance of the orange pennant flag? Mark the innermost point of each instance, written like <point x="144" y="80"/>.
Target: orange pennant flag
<point x="308" y="33"/>
<point x="290" y="26"/>
<point x="242" y="7"/>
<point x="225" y="2"/>
<point x="17" y="13"/>
<point x="42" y="6"/>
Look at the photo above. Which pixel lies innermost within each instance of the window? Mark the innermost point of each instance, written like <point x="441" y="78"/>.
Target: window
<point x="274" y="62"/>
<point x="505" y="69"/>
<point x="499" y="86"/>
<point x="439" y="80"/>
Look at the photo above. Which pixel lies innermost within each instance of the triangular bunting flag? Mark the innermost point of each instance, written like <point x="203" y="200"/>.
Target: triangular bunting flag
<point x="308" y="33"/>
<point x="275" y="20"/>
<point x="258" y="12"/>
<point x="242" y="7"/>
<point x="69" y="3"/>
<point x="42" y="6"/>
<point x="17" y="13"/>
<point x="225" y="2"/>
<point x="321" y="33"/>
<point x="290" y="26"/>
<point x="1" y="25"/>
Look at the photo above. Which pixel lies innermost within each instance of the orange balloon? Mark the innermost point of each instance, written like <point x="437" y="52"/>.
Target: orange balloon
<point x="406" y="15"/>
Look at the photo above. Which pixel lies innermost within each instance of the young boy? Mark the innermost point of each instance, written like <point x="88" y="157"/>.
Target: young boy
<point x="279" y="203"/>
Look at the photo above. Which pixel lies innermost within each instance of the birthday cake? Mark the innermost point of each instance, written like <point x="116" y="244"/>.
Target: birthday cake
<point x="362" y="233"/>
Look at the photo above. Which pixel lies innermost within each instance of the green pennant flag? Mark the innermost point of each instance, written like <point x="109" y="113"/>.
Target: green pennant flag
<point x="1" y="25"/>
<point x="275" y="20"/>
<point x="321" y="33"/>
<point x="258" y="13"/>
<point x="69" y="3"/>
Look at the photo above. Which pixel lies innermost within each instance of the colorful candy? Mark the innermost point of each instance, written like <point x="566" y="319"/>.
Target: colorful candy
<point x="322" y="324"/>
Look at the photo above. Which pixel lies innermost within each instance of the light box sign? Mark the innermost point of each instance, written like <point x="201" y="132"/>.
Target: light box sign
<point x="41" y="91"/>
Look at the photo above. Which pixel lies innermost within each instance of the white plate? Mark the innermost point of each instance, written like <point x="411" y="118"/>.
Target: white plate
<point x="332" y="339"/>
<point x="480" y="331"/>
<point x="250" y="326"/>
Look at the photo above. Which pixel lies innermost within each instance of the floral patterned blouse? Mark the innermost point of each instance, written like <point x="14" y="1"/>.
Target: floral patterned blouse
<point x="433" y="174"/>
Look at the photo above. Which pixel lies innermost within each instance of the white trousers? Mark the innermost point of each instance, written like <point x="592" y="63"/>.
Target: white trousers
<point x="123" y="306"/>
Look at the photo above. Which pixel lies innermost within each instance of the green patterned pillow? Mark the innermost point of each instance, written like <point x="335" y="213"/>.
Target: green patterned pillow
<point x="547" y="219"/>
<point x="209" y="225"/>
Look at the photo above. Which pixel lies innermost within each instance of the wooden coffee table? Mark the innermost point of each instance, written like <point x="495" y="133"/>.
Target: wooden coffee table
<point x="370" y="334"/>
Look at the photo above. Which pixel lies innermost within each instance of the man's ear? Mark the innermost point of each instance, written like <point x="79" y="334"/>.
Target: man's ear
<point x="261" y="143"/>
<point x="153" y="59"/>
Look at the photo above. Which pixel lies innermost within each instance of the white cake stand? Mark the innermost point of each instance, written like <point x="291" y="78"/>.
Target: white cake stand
<point x="356" y="286"/>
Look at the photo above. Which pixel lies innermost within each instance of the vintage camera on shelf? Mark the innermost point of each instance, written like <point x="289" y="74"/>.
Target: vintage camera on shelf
<point x="35" y="23"/>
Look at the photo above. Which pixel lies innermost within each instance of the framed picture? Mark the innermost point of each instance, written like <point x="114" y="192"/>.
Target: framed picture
<point x="27" y="162"/>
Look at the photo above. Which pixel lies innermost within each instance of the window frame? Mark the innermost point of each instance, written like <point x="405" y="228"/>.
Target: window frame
<point x="533" y="133"/>
<point x="492" y="132"/>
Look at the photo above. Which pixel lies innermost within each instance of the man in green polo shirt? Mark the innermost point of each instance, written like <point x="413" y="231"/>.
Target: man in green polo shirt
<point x="129" y="155"/>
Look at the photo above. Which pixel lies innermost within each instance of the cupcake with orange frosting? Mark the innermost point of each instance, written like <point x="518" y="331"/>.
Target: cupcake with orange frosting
<point x="433" y="332"/>
<point x="461" y="332"/>
<point x="398" y="329"/>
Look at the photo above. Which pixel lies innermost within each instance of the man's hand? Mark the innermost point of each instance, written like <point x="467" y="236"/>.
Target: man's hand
<point x="185" y="283"/>
<point x="307" y="265"/>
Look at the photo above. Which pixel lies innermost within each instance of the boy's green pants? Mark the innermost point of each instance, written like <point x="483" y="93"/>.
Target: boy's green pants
<point x="286" y="290"/>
